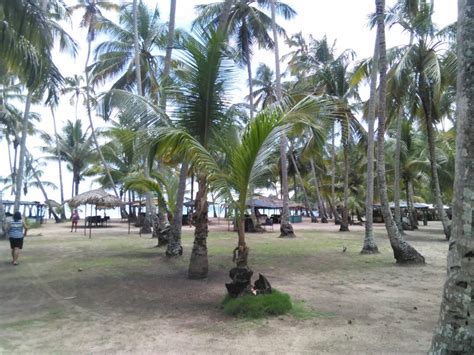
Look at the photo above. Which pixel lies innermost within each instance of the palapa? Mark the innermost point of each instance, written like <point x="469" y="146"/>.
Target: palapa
<point x="99" y="197"/>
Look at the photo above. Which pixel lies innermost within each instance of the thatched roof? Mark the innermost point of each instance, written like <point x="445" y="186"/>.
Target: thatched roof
<point x="99" y="197"/>
<point x="271" y="203"/>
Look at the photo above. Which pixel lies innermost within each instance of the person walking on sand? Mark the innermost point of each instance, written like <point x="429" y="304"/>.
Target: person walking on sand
<point x="74" y="219"/>
<point x="16" y="231"/>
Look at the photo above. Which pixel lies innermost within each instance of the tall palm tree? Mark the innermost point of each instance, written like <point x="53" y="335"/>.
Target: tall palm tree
<point x="370" y="246"/>
<point x="116" y="56"/>
<point x="424" y="75"/>
<point x="169" y="48"/>
<point x="246" y="24"/>
<point x="286" y="229"/>
<point x="92" y="19"/>
<point x="403" y="252"/>
<point x="454" y="332"/>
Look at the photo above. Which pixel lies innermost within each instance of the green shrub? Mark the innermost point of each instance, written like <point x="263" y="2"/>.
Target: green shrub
<point x="250" y="306"/>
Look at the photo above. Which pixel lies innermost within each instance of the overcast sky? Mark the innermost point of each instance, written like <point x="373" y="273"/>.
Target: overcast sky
<point x="342" y="20"/>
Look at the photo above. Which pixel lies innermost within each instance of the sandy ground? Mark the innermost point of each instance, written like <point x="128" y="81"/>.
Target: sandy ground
<point x="116" y="292"/>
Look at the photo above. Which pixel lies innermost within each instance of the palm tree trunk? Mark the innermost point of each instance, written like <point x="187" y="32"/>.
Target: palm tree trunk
<point x="454" y="333"/>
<point x="411" y="208"/>
<point x="249" y="72"/>
<point x="199" y="264"/>
<point x="345" y="210"/>
<point x="305" y="194"/>
<point x="337" y="218"/>
<point x="370" y="247"/>
<point x="412" y="217"/>
<point x="169" y="49"/>
<point x="89" y="115"/>
<point x="286" y="229"/>
<point x="434" y="172"/>
<point x="321" y="207"/>
<point x="396" y="178"/>
<point x="174" y="244"/>
<point x="403" y="252"/>
<point x="21" y="164"/>
<point x="224" y="16"/>
<point x="58" y="154"/>
<point x="150" y="211"/>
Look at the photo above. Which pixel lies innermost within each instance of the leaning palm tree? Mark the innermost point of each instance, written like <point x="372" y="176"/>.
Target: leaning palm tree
<point x="403" y="252"/>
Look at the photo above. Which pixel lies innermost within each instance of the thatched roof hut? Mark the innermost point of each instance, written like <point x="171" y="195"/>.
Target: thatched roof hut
<point x="99" y="197"/>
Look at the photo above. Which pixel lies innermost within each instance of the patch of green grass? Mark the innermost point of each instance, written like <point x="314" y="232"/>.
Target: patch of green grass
<point x="300" y="311"/>
<point x="253" y="307"/>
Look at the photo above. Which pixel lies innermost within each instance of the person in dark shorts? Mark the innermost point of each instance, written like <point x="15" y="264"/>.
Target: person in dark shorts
<point x="75" y="219"/>
<point x="16" y="231"/>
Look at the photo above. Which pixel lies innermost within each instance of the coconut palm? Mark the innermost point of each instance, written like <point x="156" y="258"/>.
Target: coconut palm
<point x="75" y="149"/>
<point x="286" y="229"/>
<point x="425" y="70"/>
<point x="264" y="93"/>
<point x="403" y="252"/>
<point x="115" y="57"/>
<point x="92" y="19"/>
<point x="203" y="76"/>
<point x="454" y="332"/>
<point x="247" y="24"/>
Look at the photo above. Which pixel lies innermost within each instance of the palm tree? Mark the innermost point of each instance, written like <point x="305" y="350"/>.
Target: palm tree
<point x="370" y="246"/>
<point x="425" y="76"/>
<point x="246" y="24"/>
<point x="116" y="59"/>
<point x="76" y="150"/>
<point x="286" y="229"/>
<point x="403" y="252"/>
<point x="92" y="19"/>
<point x="202" y="76"/>
<point x="27" y="39"/>
<point x="454" y="332"/>
<point x="264" y="94"/>
<point x="169" y="49"/>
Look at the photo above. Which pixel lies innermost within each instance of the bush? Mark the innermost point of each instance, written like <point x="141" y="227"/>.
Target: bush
<point x="250" y="306"/>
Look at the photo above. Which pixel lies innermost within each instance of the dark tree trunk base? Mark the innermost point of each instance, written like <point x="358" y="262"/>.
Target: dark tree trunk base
<point x="198" y="265"/>
<point x="409" y="256"/>
<point x="174" y="251"/>
<point x="370" y="250"/>
<point x="324" y="220"/>
<point x="286" y="231"/>
<point x="344" y="228"/>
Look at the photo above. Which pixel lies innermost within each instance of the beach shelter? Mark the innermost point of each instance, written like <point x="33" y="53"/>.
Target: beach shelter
<point x="99" y="198"/>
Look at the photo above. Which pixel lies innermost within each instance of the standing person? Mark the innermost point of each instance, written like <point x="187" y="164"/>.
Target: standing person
<point x="16" y="231"/>
<point x="75" y="218"/>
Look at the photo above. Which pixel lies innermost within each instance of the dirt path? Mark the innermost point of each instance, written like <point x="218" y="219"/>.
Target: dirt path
<point x="118" y="293"/>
